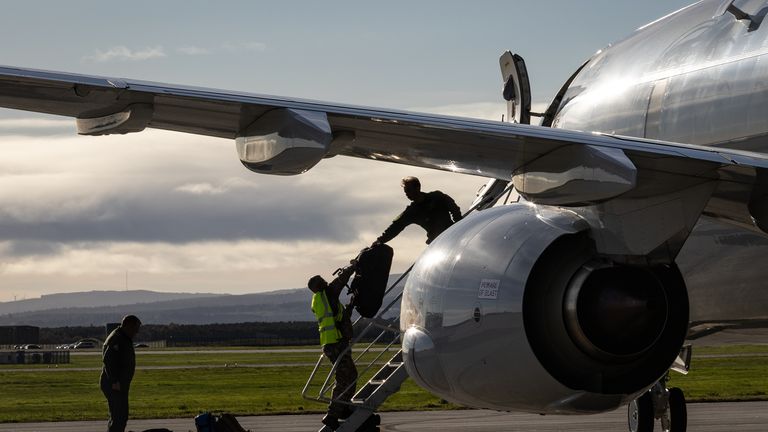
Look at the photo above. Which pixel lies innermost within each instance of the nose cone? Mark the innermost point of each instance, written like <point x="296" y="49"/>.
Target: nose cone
<point x="422" y="362"/>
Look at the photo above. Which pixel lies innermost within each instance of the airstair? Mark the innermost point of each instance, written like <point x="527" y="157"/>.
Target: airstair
<point x="380" y="360"/>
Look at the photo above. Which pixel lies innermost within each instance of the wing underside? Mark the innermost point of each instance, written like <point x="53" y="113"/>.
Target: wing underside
<point x="550" y="166"/>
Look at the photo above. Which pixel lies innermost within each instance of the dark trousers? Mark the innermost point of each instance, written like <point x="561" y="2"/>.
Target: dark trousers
<point x="346" y="377"/>
<point x="118" y="406"/>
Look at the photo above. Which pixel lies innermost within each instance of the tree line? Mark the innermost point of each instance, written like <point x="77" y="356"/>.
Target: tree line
<point x="249" y="333"/>
<point x="238" y="334"/>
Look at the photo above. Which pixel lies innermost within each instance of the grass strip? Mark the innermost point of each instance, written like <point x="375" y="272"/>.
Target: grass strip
<point x="724" y="379"/>
<point x="74" y="395"/>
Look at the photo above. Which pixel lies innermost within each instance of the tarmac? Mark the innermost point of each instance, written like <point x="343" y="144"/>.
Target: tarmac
<point x="702" y="417"/>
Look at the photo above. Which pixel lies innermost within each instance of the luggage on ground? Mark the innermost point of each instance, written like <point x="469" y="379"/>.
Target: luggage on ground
<point x="207" y="422"/>
<point x="371" y="277"/>
<point x="228" y="423"/>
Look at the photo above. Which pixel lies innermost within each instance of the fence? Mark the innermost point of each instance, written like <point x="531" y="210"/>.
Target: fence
<point x="34" y="357"/>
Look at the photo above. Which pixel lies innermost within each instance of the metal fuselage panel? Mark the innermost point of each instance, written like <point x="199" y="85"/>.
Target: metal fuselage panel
<point x="694" y="78"/>
<point x="691" y="77"/>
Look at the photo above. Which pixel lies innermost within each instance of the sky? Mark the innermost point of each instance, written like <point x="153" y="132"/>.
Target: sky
<point x="173" y="212"/>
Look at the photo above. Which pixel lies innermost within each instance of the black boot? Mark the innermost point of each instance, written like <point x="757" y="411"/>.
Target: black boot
<point x="348" y="410"/>
<point x="331" y="421"/>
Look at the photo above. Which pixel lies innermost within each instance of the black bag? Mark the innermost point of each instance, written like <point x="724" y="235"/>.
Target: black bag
<point x="228" y="423"/>
<point x="207" y="422"/>
<point x="371" y="277"/>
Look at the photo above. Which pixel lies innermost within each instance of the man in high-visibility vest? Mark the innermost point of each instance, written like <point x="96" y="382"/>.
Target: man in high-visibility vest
<point x="330" y="314"/>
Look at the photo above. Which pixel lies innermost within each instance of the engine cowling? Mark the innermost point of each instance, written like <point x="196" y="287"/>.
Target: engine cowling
<point x="513" y="309"/>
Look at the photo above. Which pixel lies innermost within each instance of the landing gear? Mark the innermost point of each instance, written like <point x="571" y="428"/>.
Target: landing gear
<point x="677" y="412"/>
<point x="640" y="415"/>
<point x="667" y="405"/>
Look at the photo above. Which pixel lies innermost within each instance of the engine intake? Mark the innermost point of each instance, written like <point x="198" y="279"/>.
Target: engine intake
<point x="599" y="326"/>
<point x="615" y="313"/>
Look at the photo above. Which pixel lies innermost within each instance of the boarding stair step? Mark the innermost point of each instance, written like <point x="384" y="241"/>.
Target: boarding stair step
<point x="384" y="372"/>
<point x="383" y="324"/>
<point x="384" y="383"/>
<point x="371" y="396"/>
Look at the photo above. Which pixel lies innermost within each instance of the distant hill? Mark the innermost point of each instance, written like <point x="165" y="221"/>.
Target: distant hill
<point x="93" y="299"/>
<point x="283" y="305"/>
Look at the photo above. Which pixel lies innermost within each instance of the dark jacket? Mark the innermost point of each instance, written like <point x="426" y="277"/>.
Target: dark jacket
<point x="435" y="213"/>
<point x="119" y="359"/>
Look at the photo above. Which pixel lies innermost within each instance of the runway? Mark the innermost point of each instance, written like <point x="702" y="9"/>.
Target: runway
<point x="702" y="417"/>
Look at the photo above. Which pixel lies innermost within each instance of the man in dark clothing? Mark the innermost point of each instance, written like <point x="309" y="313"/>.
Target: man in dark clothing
<point x="119" y="360"/>
<point x="330" y="315"/>
<point x="433" y="211"/>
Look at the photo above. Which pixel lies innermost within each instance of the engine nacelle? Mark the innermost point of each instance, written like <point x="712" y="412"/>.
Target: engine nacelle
<point x="512" y="309"/>
<point x="285" y="141"/>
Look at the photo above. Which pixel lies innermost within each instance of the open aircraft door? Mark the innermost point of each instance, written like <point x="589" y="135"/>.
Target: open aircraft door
<point x="517" y="93"/>
<point x="517" y="88"/>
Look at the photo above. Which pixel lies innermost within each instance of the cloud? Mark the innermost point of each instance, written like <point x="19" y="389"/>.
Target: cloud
<point x="123" y="53"/>
<point x="223" y="187"/>
<point x="28" y="248"/>
<point x="201" y="189"/>
<point x="193" y="50"/>
<point x="245" y="46"/>
<point x="227" y="267"/>
<point x="108" y="258"/>
<point x="181" y="210"/>
<point x="30" y="124"/>
<point x="36" y="127"/>
<point x="138" y="188"/>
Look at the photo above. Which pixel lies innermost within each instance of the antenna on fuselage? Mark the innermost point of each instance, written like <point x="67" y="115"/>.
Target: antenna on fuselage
<point x="754" y="20"/>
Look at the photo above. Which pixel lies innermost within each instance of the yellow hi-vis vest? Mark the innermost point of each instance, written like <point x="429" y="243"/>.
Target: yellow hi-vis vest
<point x="326" y="322"/>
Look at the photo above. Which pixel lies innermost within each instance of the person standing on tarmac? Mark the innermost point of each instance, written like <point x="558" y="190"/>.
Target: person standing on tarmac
<point x="434" y="211"/>
<point x="330" y="315"/>
<point x="119" y="360"/>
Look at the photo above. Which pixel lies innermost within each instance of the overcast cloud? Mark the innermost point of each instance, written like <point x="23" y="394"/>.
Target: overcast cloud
<point x="174" y="205"/>
<point x="178" y="212"/>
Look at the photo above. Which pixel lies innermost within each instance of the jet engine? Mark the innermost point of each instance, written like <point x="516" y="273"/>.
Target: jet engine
<point x="514" y="309"/>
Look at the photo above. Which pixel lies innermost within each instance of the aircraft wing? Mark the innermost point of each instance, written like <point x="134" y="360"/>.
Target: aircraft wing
<point x="288" y="136"/>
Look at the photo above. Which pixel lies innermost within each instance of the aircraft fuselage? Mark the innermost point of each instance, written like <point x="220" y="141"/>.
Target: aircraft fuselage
<point x="513" y="309"/>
